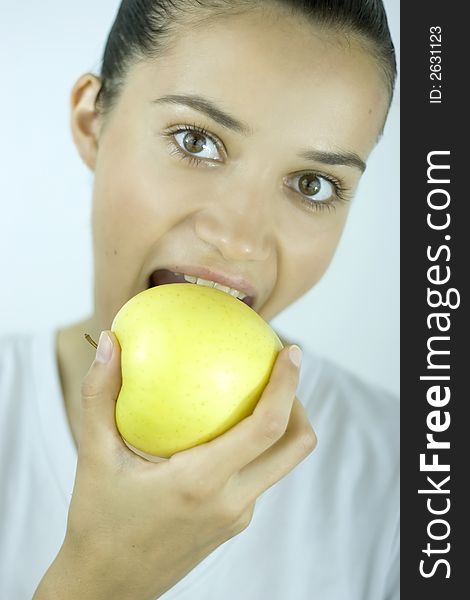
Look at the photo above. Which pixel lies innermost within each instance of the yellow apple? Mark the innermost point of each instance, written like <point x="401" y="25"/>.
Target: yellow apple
<point x="194" y="362"/>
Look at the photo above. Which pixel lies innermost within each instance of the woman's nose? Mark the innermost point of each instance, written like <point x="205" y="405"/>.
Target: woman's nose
<point x="241" y="233"/>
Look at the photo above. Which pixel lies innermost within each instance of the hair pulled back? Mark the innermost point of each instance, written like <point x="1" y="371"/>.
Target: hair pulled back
<point x="145" y="29"/>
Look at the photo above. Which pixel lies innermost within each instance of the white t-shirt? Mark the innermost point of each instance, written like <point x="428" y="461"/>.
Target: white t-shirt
<point x="328" y="530"/>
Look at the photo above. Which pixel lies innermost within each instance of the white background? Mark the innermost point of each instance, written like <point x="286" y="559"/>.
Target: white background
<point x="352" y="315"/>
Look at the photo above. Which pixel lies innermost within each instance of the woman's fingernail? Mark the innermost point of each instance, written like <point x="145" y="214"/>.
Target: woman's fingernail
<point x="105" y="348"/>
<point x="295" y="355"/>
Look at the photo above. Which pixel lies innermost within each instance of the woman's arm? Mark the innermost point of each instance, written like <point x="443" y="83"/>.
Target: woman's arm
<point x="135" y="528"/>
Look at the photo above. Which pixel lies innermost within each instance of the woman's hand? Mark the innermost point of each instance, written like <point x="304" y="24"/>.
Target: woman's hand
<point x="135" y="528"/>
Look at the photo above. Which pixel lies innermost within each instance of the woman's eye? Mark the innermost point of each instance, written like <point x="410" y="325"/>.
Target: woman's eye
<point x="315" y="187"/>
<point x="197" y="144"/>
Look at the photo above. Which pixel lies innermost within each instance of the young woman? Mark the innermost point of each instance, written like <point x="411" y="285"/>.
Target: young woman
<point x="227" y="140"/>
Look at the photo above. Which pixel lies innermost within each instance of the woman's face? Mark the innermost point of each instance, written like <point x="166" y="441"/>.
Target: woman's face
<point x="261" y="193"/>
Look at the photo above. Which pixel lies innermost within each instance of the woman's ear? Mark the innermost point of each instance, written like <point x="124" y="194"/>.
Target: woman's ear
<point x="85" y="119"/>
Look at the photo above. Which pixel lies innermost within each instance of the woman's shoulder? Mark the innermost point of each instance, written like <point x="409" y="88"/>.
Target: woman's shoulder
<point x="15" y="350"/>
<point x="23" y="356"/>
<point x="348" y="411"/>
<point x="345" y="387"/>
<point x="337" y="384"/>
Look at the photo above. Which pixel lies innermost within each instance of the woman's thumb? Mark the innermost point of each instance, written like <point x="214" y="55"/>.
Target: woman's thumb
<point x="100" y="389"/>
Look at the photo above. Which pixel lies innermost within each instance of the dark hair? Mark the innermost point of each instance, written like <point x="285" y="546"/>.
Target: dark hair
<point x="145" y="29"/>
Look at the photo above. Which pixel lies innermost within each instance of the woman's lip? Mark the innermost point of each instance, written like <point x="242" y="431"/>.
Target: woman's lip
<point x="233" y="280"/>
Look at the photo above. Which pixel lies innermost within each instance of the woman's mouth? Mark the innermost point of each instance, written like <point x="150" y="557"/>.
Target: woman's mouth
<point x="165" y="276"/>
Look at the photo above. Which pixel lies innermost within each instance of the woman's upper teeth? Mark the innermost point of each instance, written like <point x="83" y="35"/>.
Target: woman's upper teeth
<point x="218" y="286"/>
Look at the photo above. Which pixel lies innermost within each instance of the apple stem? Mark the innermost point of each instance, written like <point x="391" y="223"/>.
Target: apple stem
<point x="91" y="340"/>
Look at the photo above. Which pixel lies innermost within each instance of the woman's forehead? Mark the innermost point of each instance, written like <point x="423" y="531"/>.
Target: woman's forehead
<point x="273" y="77"/>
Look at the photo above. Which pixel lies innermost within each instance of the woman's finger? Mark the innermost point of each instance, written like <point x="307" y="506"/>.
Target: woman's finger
<point x="99" y="391"/>
<point x="277" y="461"/>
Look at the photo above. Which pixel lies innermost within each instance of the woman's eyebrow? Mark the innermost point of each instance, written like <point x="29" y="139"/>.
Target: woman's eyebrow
<point x="347" y="159"/>
<point x="207" y="106"/>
